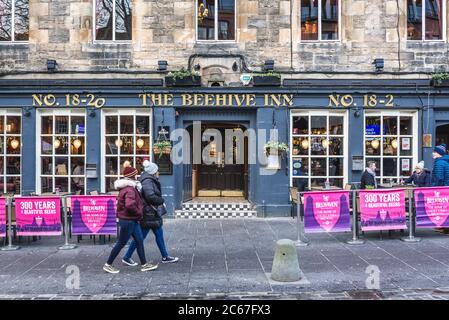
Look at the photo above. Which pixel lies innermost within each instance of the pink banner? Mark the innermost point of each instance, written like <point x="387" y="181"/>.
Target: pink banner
<point x="94" y="215"/>
<point x="326" y="211"/>
<point x="383" y="209"/>
<point x="432" y="207"/>
<point x="3" y="217"/>
<point x="38" y="216"/>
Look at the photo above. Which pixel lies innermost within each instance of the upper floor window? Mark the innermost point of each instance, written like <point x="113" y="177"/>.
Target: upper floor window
<point x="14" y="20"/>
<point x="429" y="28"/>
<point x="113" y="20"/>
<point x="216" y="19"/>
<point x="320" y="20"/>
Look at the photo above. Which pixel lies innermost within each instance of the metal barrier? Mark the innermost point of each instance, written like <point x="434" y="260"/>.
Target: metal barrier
<point x="300" y="224"/>
<point x="10" y="246"/>
<point x="66" y="245"/>
<point x="302" y="240"/>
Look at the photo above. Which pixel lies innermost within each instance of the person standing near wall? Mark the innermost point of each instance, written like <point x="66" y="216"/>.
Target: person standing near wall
<point x="368" y="180"/>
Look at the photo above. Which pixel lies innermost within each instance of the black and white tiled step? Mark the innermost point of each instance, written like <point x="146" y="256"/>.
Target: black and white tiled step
<point x="204" y="206"/>
<point x="195" y="210"/>
<point x="182" y="214"/>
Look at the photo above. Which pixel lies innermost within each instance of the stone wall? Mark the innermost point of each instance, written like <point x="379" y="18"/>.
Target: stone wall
<point x="266" y="29"/>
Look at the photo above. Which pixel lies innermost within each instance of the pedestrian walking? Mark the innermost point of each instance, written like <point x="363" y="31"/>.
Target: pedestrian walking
<point x="150" y="188"/>
<point x="440" y="172"/>
<point x="129" y="211"/>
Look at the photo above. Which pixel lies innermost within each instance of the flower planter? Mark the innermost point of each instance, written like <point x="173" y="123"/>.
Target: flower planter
<point x="190" y="81"/>
<point x="274" y="161"/>
<point x="442" y="83"/>
<point x="267" y="81"/>
<point x="167" y="150"/>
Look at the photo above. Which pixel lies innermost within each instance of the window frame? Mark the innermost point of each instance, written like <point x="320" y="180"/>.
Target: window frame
<point x="56" y="113"/>
<point x="423" y="24"/>
<point x="122" y="112"/>
<point x="94" y="24"/>
<point x="215" y="40"/>
<point x="13" y="27"/>
<point x="414" y="147"/>
<point x="344" y="135"/>
<point x="5" y="114"/>
<point x="319" y="40"/>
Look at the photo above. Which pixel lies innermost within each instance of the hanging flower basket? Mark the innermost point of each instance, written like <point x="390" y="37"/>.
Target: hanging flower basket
<point x="162" y="147"/>
<point x="275" y="150"/>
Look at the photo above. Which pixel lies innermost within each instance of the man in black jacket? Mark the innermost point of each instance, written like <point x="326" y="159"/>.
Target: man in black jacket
<point x="150" y="188"/>
<point x="368" y="180"/>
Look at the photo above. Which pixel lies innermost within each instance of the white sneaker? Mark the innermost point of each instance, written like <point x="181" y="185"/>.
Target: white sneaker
<point x="110" y="269"/>
<point x="170" y="259"/>
<point x="130" y="262"/>
<point x="148" y="267"/>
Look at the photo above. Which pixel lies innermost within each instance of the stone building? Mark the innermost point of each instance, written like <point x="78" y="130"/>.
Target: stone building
<point x="97" y="66"/>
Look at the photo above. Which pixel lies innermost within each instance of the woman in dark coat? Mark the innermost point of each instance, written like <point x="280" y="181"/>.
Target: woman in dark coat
<point x="421" y="177"/>
<point x="152" y="196"/>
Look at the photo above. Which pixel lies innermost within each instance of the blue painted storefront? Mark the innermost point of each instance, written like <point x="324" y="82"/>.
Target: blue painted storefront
<point x="269" y="192"/>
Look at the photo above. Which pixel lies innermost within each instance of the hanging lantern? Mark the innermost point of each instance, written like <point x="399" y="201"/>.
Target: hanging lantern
<point x="394" y="143"/>
<point x="77" y="143"/>
<point x="14" y="143"/>
<point x="375" y="144"/>
<point x="325" y="143"/>
<point x="140" y="143"/>
<point x="305" y="144"/>
<point x="119" y="142"/>
<point x="56" y="143"/>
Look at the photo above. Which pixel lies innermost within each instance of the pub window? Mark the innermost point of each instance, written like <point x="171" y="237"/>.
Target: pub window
<point x="320" y="20"/>
<point x="62" y="152"/>
<point x="390" y="141"/>
<point x="127" y="137"/>
<point x="431" y="27"/>
<point x="113" y="20"/>
<point x="14" y="20"/>
<point x="10" y="152"/>
<point x="216" y="20"/>
<point x="318" y="149"/>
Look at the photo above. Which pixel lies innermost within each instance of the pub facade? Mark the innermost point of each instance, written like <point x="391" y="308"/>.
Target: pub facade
<point x="85" y="87"/>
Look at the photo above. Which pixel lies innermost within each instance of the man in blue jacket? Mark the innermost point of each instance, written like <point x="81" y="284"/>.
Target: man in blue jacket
<point x="440" y="173"/>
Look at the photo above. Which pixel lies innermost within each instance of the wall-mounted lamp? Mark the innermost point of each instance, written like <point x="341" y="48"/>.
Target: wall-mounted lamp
<point x="27" y="112"/>
<point x="92" y="113"/>
<point x="51" y="65"/>
<point x="162" y="65"/>
<point x="235" y="66"/>
<point x="379" y="64"/>
<point x="269" y="65"/>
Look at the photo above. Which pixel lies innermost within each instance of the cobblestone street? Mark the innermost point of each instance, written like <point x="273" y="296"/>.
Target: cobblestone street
<point x="232" y="259"/>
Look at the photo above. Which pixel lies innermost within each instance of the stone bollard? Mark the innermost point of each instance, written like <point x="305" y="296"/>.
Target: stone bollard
<point x="285" y="264"/>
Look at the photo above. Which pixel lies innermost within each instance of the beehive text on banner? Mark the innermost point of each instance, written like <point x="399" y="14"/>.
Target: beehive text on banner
<point x="326" y="211"/>
<point x="383" y="209"/>
<point x="94" y="215"/>
<point x="432" y="207"/>
<point x="38" y="216"/>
